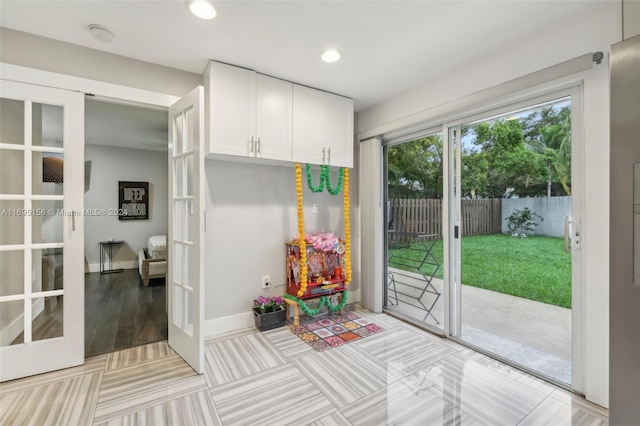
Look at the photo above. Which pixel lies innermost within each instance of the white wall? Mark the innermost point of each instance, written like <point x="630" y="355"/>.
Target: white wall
<point x="42" y="53"/>
<point x="108" y="166"/>
<point x="589" y="32"/>
<point x="251" y="213"/>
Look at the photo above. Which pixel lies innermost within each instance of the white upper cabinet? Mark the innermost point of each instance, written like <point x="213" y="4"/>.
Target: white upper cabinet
<point x="273" y="118"/>
<point x="307" y="125"/>
<point x="337" y="130"/>
<point x="322" y="127"/>
<point x="251" y="115"/>
<point x="230" y="109"/>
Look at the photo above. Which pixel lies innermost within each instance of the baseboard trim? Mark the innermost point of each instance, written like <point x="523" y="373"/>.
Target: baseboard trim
<point x="9" y="333"/>
<point x="127" y="264"/>
<point x="217" y="326"/>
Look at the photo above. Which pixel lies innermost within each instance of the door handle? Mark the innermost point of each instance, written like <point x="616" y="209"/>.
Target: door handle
<point x="258" y="146"/>
<point x="329" y="160"/>
<point x="576" y="234"/>
<point x="73" y="222"/>
<point x="251" y="145"/>
<point x="323" y="154"/>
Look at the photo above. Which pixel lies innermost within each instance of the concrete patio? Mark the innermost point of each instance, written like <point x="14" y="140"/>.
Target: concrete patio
<point x="534" y="334"/>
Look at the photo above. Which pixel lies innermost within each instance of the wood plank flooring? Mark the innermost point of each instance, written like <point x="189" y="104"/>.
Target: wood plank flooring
<point x="120" y="312"/>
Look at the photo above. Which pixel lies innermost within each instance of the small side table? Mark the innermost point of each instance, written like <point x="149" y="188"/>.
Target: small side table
<point x="108" y="245"/>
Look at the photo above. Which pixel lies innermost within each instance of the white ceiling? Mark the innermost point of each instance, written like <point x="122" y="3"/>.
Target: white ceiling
<point x="388" y="47"/>
<point x="125" y="126"/>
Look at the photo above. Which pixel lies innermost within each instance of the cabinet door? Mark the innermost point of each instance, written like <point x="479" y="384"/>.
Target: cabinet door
<point x="273" y="118"/>
<point x="337" y="130"/>
<point x="307" y="124"/>
<point x="230" y="107"/>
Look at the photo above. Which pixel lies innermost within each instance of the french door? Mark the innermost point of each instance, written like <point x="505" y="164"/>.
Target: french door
<point x="41" y="229"/>
<point x="185" y="275"/>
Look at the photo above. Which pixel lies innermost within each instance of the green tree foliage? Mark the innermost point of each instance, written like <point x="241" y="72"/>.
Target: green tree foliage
<point x="499" y="148"/>
<point x="526" y="156"/>
<point x="415" y="168"/>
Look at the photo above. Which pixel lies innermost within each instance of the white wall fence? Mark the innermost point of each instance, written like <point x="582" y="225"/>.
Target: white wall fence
<point x="552" y="209"/>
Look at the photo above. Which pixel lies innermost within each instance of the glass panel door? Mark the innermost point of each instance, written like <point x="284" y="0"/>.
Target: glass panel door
<point x="512" y="213"/>
<point x="41" y="237"/>
<point x="414" y="282"/>
<point x="186" y="229"/>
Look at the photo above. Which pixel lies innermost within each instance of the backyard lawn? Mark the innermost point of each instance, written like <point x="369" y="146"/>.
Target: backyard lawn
<point x="535" y="268"/>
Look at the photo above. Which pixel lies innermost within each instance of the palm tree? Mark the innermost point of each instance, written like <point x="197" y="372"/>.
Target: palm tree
<point x="554" y="146"/>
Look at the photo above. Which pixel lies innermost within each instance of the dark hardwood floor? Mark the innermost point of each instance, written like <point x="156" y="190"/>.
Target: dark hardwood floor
<point x="120" y="312"/>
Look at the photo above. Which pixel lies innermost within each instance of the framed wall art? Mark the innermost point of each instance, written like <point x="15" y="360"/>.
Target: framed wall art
<point x="133" y="200"/>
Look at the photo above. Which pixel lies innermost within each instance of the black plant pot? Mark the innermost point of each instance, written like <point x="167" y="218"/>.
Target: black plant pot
<point x="269" y="320"/>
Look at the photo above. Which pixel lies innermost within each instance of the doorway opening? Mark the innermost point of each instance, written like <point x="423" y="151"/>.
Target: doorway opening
<point x="126" y="223"/>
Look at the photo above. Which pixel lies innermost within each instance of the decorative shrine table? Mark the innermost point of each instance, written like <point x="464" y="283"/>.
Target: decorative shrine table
<point x="324" y="271"/>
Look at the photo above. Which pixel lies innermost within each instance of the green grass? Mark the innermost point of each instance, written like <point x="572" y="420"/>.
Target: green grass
<point x="535" y="268"/>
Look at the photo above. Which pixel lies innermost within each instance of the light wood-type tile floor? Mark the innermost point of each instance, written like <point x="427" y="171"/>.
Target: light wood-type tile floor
<point x="401" y="376"/>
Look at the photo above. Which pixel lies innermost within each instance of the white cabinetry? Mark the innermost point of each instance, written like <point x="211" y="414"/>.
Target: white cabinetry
<point x="322" y="127"/>
<point x="248" y="114"/>
<point x="251" y="115"/>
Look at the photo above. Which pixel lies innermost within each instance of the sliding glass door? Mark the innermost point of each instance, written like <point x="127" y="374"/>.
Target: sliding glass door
<point x="414" y="279"/>
<point x="514" y="239"/>
<point x="483" y="234"/>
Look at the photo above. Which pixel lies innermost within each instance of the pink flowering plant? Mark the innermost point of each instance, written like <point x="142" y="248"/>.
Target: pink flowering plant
<point x="268" y="304"/>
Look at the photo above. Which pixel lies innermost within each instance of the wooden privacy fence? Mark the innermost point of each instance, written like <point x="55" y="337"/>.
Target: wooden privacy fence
<point x="424" y="216"/>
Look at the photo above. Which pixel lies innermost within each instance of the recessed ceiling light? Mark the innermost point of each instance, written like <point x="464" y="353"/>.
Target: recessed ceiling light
<point x="202" y="8"/>
<point x="330" y="56"/>
<point x="100" y="33"/>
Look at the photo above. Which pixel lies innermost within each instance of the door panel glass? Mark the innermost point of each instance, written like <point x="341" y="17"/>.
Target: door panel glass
<point x="178" y="220"/>
<point x="11" y="272"/>
<point x="47" y="125"/>
<point x="190" y="177"/>
<point x="179" y="177"/>
<point x="188" y="116"/>
<point x="178" y="140"/>
<point x="190" y="261"/>
<point x="48" y="323"/>
<point x="414" y="229"/>
<point x="189" y="325"/>
<point x="47" y="221"/>
<point x="12" y="119"/>
<point x="48" y="269"/>
<point x="177" y="268"/>
<point x="189" y="221"/>
<point x="12" y="166"/>
<point x="12" y="213"/>
<point x="515" y="273"/>
<point x="177" y="305"/>
<point x="11" y="322"/>
<point x="48" y="173"/>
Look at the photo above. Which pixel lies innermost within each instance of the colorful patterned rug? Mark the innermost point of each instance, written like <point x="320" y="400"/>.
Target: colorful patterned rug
<point x="335" y="330"/>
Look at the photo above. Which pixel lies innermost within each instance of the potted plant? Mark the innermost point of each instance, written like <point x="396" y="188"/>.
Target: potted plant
<point x="269" y="312"/>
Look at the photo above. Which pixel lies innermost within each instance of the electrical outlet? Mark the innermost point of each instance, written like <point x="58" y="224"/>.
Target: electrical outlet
<point x="315" y="208"/>
<point x="266" y="281"/>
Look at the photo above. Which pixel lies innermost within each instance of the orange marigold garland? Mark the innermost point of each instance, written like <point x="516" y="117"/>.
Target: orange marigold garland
<point x="302" y="245"/>
<point x="347" y="228"/>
